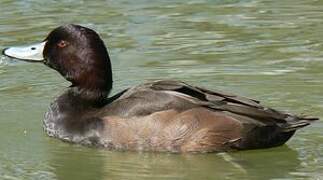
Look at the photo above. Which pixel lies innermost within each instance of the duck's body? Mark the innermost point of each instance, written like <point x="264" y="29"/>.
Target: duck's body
<point x="170" y="116"/>
<point x="157" y="116"/>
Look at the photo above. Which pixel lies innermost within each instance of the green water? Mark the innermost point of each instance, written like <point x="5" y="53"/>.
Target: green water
<point x="269" y="50"/>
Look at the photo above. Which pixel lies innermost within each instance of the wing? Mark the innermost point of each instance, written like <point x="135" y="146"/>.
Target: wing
<point x="167" y="94"/>
<point x="234" y="104"/>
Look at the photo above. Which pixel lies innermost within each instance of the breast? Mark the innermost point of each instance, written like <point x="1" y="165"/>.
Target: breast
<point x="73" y="128"/>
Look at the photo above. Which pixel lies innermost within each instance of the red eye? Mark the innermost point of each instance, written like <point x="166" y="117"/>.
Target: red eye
<point x="62" y="44"/>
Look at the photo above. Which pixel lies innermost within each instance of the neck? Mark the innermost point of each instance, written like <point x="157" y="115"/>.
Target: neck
<point x="93" y="85"/>
<point x="91" y="97"/>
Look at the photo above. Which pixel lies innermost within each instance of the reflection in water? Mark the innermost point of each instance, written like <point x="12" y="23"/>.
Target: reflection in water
<point x="75" y="162"/>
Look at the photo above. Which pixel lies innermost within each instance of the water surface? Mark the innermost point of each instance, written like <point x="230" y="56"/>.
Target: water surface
<point x="269" y="50"/>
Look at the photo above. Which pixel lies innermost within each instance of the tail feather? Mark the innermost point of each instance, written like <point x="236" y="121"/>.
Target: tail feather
<point x="298" y="123"/>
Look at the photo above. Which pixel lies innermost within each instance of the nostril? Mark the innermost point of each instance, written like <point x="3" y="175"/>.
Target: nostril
<point x="33" y="48"/>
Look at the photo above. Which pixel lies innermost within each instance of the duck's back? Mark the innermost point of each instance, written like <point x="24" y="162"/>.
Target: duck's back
<point x="174" y="116"/>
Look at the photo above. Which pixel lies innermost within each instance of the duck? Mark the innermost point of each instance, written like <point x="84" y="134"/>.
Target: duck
<point x="157" y="116"/>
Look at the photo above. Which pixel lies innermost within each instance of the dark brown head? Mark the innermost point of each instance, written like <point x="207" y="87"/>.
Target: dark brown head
<point x="76" y="52"/>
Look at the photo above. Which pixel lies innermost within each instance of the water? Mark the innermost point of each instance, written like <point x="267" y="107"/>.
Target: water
<point x="269" y="50"/>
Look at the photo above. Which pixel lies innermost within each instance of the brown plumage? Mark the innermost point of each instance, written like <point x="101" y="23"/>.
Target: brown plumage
<point x="170" y="116"/>
<point x="157" y="116"/>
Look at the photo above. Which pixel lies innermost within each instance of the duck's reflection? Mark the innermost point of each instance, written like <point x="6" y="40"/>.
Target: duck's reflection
<point x="76" y="162"/>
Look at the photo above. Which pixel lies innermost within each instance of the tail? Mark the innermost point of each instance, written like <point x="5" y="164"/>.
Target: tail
<point x="294" y="123"/>
<point x="271" y="136"/>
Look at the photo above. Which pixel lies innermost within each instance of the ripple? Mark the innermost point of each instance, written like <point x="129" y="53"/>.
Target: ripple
<point x="3" y="61"/>
<point x="6" y="61"/>
<point x="13" y="169"/>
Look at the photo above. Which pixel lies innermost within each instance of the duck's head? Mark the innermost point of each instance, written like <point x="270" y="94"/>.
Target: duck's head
<point x="77" y="53"/>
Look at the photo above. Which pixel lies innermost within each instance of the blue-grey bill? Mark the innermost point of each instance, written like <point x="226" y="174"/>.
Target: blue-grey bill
<point x="33" y="52"/>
